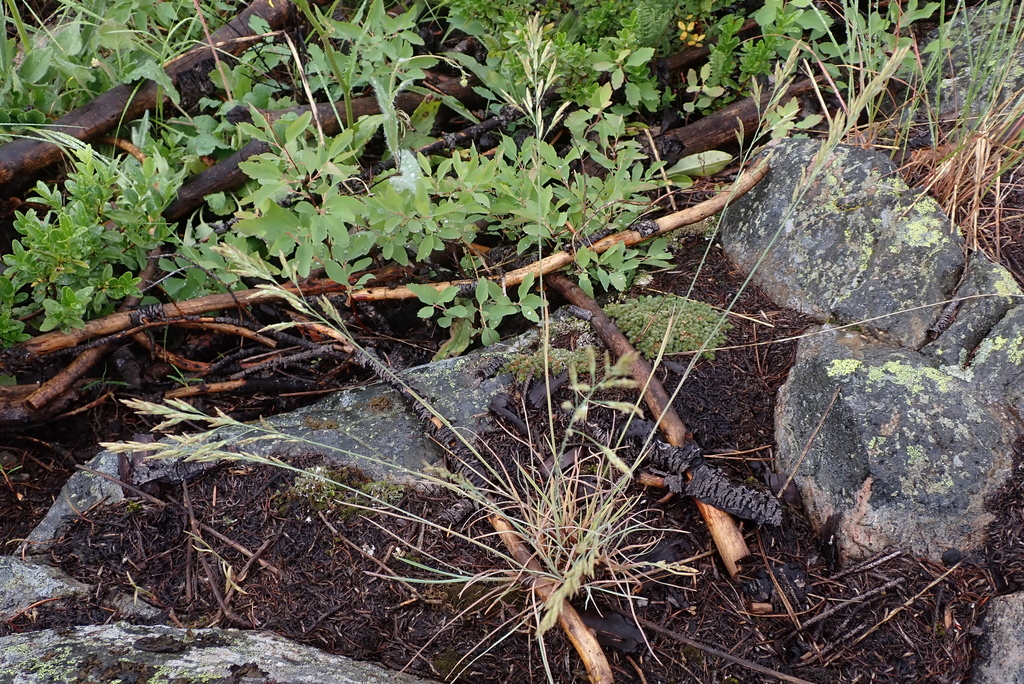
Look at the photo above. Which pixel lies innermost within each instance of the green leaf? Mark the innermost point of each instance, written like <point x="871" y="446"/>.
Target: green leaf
<point x="526" y="285"/>
<point x="36" y="64"/>
<point x="640" y="57"/>
<point x="153" y="71"/>
<point x="428" y="294"/>
<point x="618" y="76"/>
<point x="701" y="164"/>
<point x="297" y="128"/>
<point x="114" y="35"/>
<point x="423" y="117"/>
<point x="458" y="341"/>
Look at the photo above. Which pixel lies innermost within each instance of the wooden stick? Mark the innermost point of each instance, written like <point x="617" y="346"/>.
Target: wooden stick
<point x="559" y="260"/>
<point x="21" y="158"/>
<point x="114" y="323"/>
<point x="730" y="543"/>
<point x="581" y="636"/>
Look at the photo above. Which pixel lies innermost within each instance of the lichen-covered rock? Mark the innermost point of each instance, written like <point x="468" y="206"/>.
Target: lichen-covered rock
<point x="23" y="583"/>
<point x="907" y="454"/>
<point x="122" y="652"/>
<point x="985" y="295"/>
<point x="856" y="246"/>
<point x="998" y="362"/>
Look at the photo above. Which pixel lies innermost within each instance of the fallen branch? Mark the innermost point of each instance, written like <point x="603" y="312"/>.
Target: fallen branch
<point x="21" y="158"/>
<point x="554" y="262"/>
<point x="740" y="119"/>
<point x="47" y="343"/>
<point x="165" y="314"/>
<point x="728" y="540"/>
<point x="76" y="370"/>
<point x="581" y="636"/>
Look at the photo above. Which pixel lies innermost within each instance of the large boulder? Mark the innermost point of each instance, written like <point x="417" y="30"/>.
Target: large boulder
<point x="837" y="234"/>
<point x="918" y="401"/>
<point x="1000" y="657"/>
<point x="908" y="452"/>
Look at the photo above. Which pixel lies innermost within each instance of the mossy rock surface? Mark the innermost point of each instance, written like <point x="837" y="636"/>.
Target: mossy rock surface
<point x="858" y="247"/>
<point x="908" y="453"/>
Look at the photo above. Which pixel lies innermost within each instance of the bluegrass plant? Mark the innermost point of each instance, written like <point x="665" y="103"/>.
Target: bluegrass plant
<point x="967" y="156"/>
<point x="580" y="520"/>
<point x="577" y="515"/>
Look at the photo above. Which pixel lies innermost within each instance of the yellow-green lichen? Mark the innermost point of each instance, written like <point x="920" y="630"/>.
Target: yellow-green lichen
<point x="876" y="444"/>
<point x="965" y="374"/>
<point x="910" y="377"/>
<point x="1006" y="285"/>
<point x="989" y="346"/>
<point x="1016" y="351"/>
<point x="925" y="230"/>
<point x="842" y="367"/>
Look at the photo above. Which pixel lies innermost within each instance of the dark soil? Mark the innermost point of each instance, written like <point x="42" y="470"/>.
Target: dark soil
<point x="341" y="579"/>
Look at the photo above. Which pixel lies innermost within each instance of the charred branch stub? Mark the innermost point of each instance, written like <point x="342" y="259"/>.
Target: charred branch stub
<point x="707" y="483"/>
<point x="711" y="486"/>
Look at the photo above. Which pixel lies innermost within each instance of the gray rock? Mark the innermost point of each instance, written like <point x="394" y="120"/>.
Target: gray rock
<point x="81" y="492"/>
<point x="858" y="246"/>
<point x="999" y="360"/>
<point x="123" y="652"/>
<point x="975" y="312"/>
<point x="23" y="583"/>
<point x="373" y="428"/>
<point x="1000" y="657"/>
<point x="907" y="454"/>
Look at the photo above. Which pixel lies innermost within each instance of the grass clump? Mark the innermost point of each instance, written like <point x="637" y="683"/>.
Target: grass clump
<point x="646" y="320"/>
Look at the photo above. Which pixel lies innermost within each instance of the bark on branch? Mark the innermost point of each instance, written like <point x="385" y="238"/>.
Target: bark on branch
<point x="22" y="158"/>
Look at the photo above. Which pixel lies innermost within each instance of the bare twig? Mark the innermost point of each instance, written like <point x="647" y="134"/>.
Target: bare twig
<point x="710" y="650"/>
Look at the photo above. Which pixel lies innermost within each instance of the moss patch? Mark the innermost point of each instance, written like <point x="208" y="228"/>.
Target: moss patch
<point x="645" y="321"/>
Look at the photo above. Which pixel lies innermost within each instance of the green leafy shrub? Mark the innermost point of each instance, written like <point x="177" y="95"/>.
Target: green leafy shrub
<point x="645" y="322"/>
<point x="526" y="192"/>
<point x="80" y="258"/>
<point x="97" y="44"/>
<point x="590" y="38"/>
